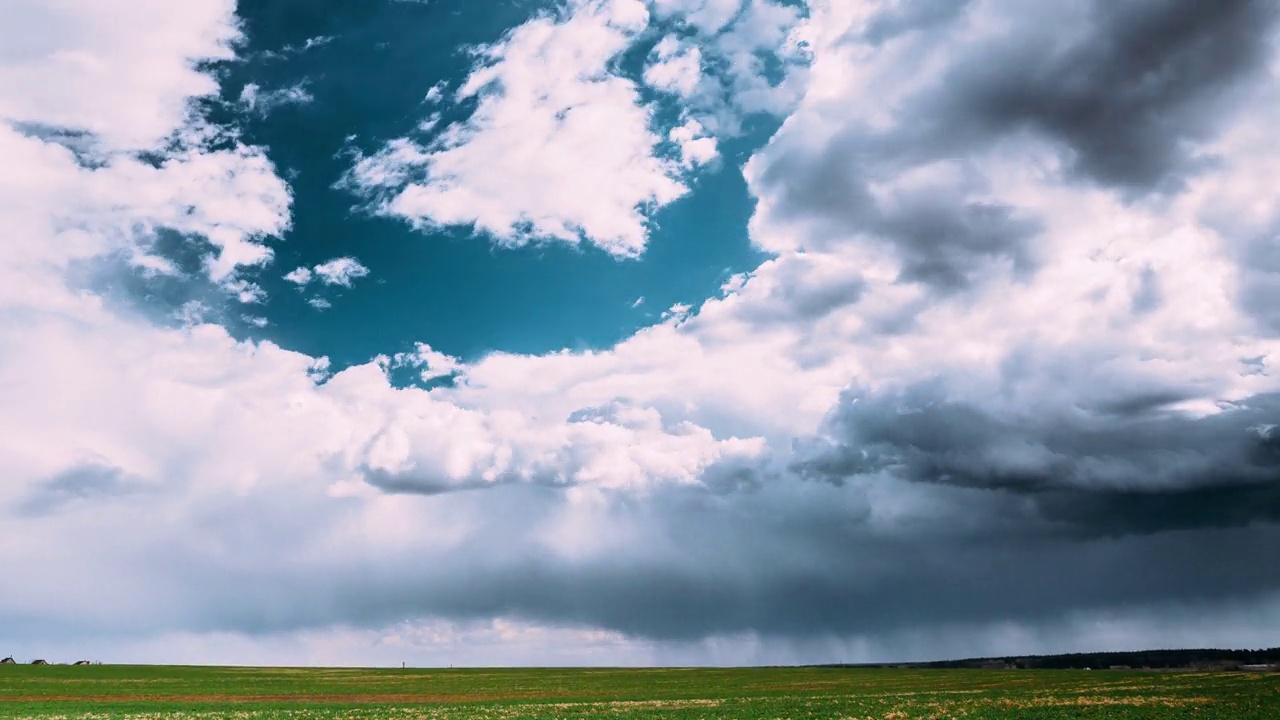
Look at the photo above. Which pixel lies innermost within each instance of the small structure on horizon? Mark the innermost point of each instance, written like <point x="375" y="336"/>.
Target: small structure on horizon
<point x="39" y="662"/>
<point x="8" y="661"/>
<point x="82" y="662"/>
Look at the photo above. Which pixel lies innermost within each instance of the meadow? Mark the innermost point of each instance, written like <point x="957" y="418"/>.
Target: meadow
<point x="104" y="692"/>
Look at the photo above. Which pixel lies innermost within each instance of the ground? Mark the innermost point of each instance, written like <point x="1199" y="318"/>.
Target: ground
<point x="104" y="692"/>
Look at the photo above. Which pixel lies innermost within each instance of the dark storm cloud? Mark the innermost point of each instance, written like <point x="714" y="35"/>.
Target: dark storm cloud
<point x="415" y="483"/>
<point x="909" y="511"/>
<point x="779" y="555"/>
<point x="946" y="243"/>
<point x="909" y="581"/>
<point x="786" y="558"/>
<point x="945" y="234"/>
<point x="1125" y="98"/>
<point x="1117" y="466"/>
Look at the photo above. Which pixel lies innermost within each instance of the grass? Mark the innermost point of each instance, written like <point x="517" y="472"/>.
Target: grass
<point x="202" y="693"/>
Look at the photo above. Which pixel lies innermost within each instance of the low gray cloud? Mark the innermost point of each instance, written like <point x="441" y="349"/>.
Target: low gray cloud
<point x="908" y="510"/>
<point x="89" y="483"/>
<point x="1260" y="280"/>
<point x="901" y="18"/>
<point x="946" y="234"/>
<point x="802" y="291"/>
<point x="1148" y="297"/>
<point x="1126" y="97"/>
<point x="890" y="548"/>
<point x="1124" y="465"/>
<point x="786" y="558"/>
<point x="947" y="243"/>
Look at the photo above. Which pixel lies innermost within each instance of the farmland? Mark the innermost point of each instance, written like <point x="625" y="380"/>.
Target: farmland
<point x="102" y="691"/>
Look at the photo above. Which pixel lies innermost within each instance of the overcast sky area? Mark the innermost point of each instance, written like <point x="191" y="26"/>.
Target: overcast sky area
<point x="614" y="332"/>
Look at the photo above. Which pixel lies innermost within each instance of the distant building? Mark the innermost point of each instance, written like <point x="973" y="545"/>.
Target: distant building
<point x="8" y="661"/>
<point x="39" y="662"/>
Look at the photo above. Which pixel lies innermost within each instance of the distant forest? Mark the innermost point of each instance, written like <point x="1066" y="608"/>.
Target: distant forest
<point x="1145" y="659"/>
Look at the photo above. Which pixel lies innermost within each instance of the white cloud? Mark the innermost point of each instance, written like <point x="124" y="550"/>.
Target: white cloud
<point x="299" y="276"/>
<point x="433" y="363"/>
<point x="746" y="57"/>
<point x="437" y="92"/>
<point x="255" y="99"/>
<point x="559" y="148"/>
<point x="772" y="28"/>
<point x="310" y="43"/>
<point x="245" y="291"/>
<point x="340" y="271"/>
<point x="696" y="148"/>
<point x="60" y="69"/>
<point x="231" y="198"/>
<point x="72" y="187"/>
<point x="708" y="16"/>
<point x="676" y="68"/>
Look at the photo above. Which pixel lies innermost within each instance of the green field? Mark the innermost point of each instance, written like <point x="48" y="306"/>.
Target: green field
<point x="791" y="693"/>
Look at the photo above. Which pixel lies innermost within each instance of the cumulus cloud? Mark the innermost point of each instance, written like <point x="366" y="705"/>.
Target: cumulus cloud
<point x="675" y="68"/>
<point x="299" y="276"/>
<point x="707" y="16"/>
<point x="341" y="271"/>
<point x="765" y="56"/>
<point x="60" y="70"/>
<point x="432" y="364"/>
<point x="246" y="292"/>
<point x="729" y="60"/>
<point x="559" y="147"/>
<point x="77" y="186"/>
<point x="696" y="148"/>
<point x="562" y="146"/>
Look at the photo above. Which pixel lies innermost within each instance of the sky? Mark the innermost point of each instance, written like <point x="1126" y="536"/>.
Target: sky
<point x="632" y="332"/>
